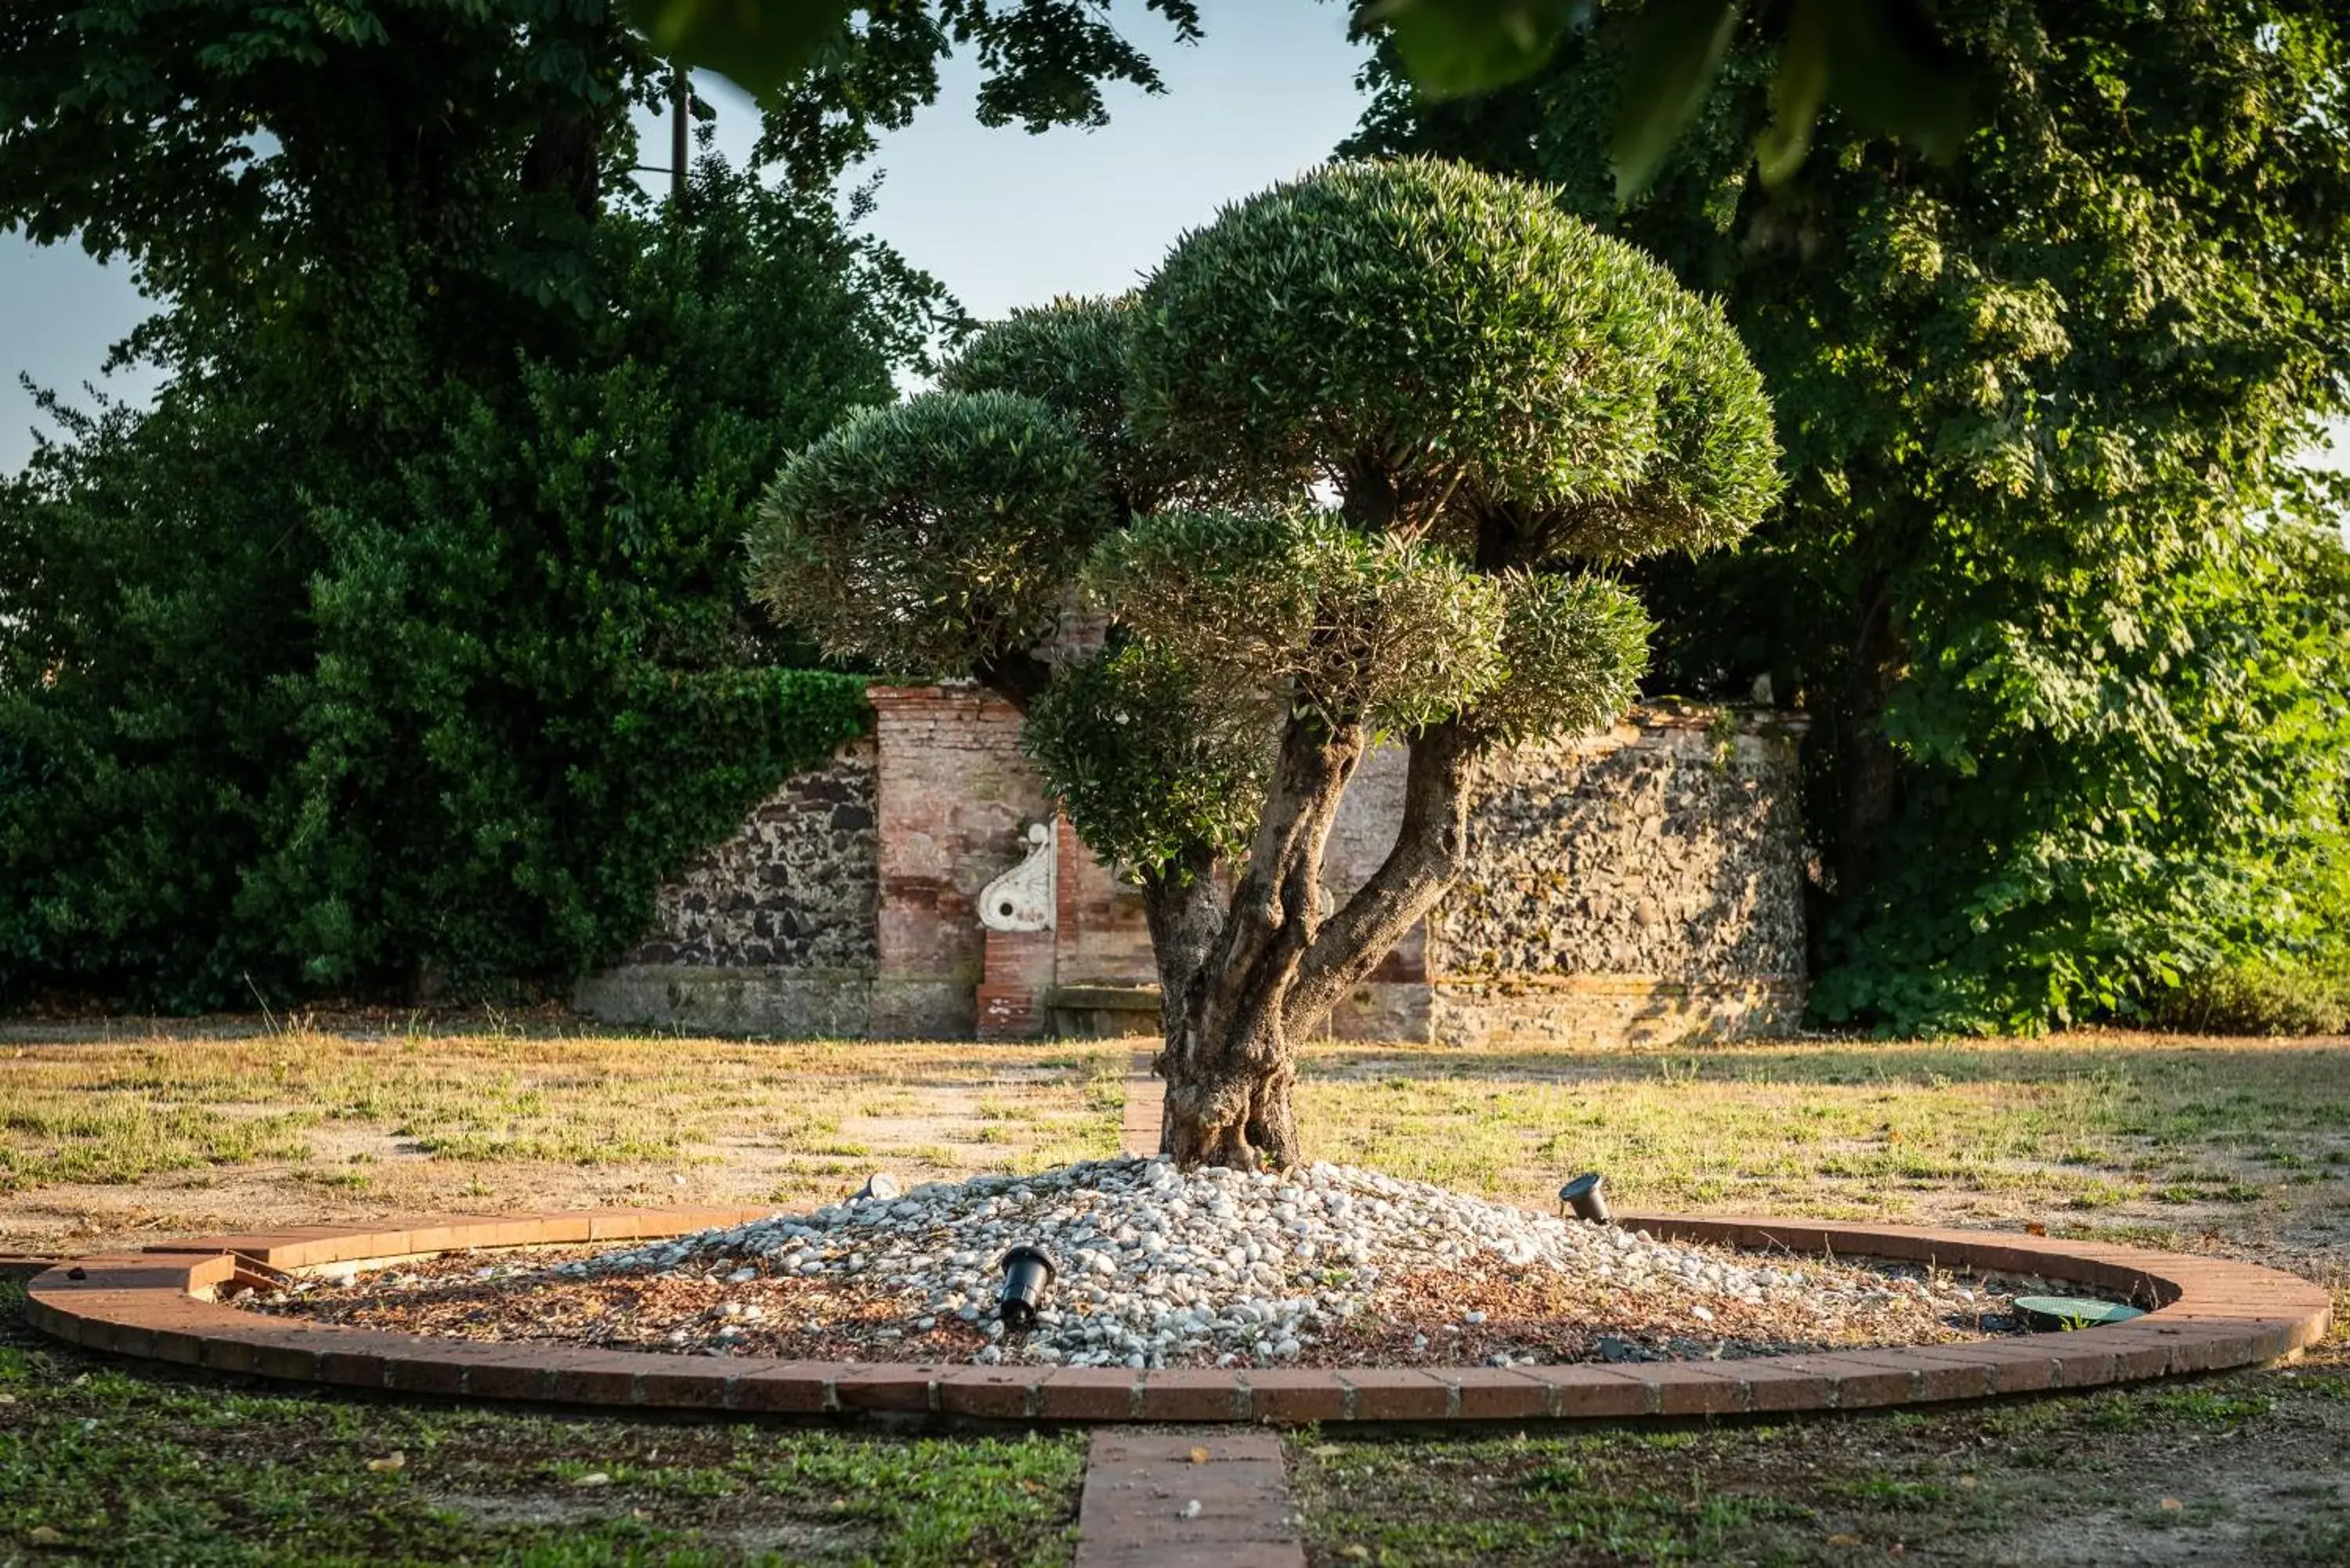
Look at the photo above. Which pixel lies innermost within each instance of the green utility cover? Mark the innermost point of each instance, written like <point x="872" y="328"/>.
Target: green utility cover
<point x="2071" y="1312"/>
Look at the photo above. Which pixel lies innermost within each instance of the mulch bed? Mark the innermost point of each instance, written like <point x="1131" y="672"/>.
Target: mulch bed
<point x="1458" y="1316"/>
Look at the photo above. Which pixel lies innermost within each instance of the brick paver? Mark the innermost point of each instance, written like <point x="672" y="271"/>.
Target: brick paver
<point x="1186" y="1500"/>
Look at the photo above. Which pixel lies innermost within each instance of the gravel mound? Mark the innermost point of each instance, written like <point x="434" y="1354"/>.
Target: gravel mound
<point x="1159" y="1267"/>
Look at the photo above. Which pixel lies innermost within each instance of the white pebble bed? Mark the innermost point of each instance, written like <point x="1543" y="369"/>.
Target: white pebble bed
<point x="1156" y="1266"/>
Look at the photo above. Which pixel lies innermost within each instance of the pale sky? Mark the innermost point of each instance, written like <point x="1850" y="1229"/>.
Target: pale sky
<point x="1001" y="217"/>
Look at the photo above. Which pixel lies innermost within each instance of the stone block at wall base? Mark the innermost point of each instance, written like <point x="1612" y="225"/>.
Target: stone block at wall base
<point x="1607" y="1012"/>
<point x="945" y="1009"/>
<point x="1104" y="1012"/>
<point x="1384" y="1010"/>
<point x="797" y="1003"/>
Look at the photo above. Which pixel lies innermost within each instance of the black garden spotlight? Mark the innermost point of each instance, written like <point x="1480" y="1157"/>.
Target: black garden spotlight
<point x="1027" y="1270"/>
<point x="1586" y="1196"/>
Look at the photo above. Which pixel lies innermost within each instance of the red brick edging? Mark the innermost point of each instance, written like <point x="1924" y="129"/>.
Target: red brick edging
<point x="2211" y="1314"/>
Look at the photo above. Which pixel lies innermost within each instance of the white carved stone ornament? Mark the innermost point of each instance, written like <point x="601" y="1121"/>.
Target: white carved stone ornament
<point x="1024" y="898"/>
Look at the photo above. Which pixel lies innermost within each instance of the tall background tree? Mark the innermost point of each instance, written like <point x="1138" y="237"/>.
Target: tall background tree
<point x="402" y="645"/>
<point x="1508" y="405"/>
<point x="402" y="648"/>
<point x="2047" y="579"/>
<point x="2066" y="612"/>
<point x="1878" y="59"/>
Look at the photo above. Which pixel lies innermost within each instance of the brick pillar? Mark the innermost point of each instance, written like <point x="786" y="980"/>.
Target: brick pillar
<point x="1015" y="996"/>
<point x="953" y="793"/>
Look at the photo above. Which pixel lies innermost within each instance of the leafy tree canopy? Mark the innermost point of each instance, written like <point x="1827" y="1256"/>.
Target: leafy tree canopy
<point x="2065" y="612"/>
<point x="403" y="645"/>
<point x="904" y="550"/>
<point x="1875" y="59"/>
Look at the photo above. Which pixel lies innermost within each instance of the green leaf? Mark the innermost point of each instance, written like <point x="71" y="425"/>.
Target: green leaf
<point x="1453" y="48"/>
<point x="1675" y="53"/>
<point x="1889" y="74"/>
<point x="1796" y="91"/>
<point x="759" y="45"/>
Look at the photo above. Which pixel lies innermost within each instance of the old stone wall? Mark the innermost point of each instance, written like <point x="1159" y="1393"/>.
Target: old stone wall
<point x="955" y="800"/>
<point x="1642" y="886"/>
<point x="1393" y="1002"/>
<point x="774" y="929"/>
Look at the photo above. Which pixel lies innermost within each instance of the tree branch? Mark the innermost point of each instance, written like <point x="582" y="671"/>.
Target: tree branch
<point x="1186" y="912"/>
<point x="1431" y="845"/>
<point x="1276" y="907"/>
<point x="1432" y="842"/>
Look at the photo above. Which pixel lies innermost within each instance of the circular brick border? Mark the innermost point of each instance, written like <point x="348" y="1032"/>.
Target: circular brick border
<point x="2211" y="1314"/>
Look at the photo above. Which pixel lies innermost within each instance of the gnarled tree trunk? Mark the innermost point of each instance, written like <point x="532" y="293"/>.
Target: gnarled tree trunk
<point x="1237" y="1001"/>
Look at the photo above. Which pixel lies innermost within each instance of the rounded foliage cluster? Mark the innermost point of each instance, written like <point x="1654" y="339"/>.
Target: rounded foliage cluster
<point x="1715" y="472"/>
<point x="1490" y="383"/>
<point x="932" y="537"/>
<point x="1445" y="339"/>
<point x="1371" y="628"/>
<point x="1574" y="649"/>
<point x="1146" y="761"/>
<point x="1071" y="355"/>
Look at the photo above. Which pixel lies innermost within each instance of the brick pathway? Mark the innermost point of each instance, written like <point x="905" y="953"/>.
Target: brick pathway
<point x="1145" y="1098"/>
<point x="1186" y="1500"/>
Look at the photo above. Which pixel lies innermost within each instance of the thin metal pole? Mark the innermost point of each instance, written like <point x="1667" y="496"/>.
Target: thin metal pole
<point x="681" y="106"/>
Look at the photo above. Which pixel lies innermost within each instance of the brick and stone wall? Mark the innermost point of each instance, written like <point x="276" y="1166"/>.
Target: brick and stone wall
<point x="956" y="799"/>
<point x="1393" y="1004"/>
<point x="1641" y="886"/>
<point x="798" y="885"/>
<point x="774" y="929"/>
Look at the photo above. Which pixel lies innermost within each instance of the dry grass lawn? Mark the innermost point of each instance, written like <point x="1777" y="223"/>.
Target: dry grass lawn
<point x="127" y="1134"/>
<point x="171" y="1131"/>
<point x="2186" y="1134"/>
<point x="115" y="1133"/>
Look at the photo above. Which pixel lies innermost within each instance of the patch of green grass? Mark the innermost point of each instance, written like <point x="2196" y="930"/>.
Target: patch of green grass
<point x="2255" y="1456"/>
<point x="1516" y="1501"/>
<point x="114" y="1139"/>
<point x="1063" y="1145"/>
<point x="1104" y="1085"/>
<point x="104" y="1464"/>
<point x="486" y="1145"/>
<point x="1892" y="1491"/>
<point x="2176" y="1407"/>
<point x="2323" y="1541"/>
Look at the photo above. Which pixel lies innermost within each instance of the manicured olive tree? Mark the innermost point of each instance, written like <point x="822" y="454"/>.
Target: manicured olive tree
<point x="1494" y="392"/>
